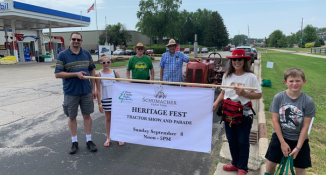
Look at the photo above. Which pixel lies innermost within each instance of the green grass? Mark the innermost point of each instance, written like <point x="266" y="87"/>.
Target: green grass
<point x="315" y="87"/>
<point x="114" y="64"/>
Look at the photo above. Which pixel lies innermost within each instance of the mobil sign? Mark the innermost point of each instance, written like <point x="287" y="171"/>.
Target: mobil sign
<point x="4" y="6"/>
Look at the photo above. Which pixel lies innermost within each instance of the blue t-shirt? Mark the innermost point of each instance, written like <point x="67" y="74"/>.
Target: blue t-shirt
<point x="67" y="61"/>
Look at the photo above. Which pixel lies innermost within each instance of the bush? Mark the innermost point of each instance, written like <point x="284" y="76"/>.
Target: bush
<point x="159" y="50"/>
<point x="309" y="45"/>
<point x="317" y="43"/>
<point x="322" y="42"/>
<point x="130" y="48"/>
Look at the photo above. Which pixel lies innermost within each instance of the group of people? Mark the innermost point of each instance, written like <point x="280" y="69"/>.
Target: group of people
<point x="292" y="112"/>
<point x="74" y="63"/>
<point x="292" y="109"/>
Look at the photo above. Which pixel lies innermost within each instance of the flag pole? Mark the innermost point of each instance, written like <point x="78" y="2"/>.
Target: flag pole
<point x="96" y="23"/>
<point x="81" y="22"/>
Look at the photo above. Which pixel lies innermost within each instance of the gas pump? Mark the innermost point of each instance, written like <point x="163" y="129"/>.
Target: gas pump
<point x="57" y="48"/>
<point x="27" y="51"/>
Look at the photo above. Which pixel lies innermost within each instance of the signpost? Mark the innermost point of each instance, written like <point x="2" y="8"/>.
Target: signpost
<point x="189" y="46"/>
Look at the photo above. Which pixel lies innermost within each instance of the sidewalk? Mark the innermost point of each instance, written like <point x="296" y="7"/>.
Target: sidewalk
<point x="300" y="53"/>
<point x="257" y="152"/>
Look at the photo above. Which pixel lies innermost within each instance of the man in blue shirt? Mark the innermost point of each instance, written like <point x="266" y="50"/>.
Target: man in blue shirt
<point x="72" y="65"/>
<point x="171" y="63"/>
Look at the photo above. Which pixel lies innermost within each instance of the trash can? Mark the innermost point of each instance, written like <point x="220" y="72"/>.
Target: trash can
<point x="41" y="59"/>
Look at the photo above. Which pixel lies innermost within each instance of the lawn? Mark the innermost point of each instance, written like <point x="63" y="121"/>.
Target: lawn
<point x="314" y="87"/>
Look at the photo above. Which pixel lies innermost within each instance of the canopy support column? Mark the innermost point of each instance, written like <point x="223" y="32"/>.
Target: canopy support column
<point x="13" y="28"/>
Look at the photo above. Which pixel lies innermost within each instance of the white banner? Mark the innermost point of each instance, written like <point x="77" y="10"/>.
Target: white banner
<point x="163" y="116"/>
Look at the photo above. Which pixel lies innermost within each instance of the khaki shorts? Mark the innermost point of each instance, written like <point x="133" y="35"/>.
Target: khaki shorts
<point x="71" y="102"/>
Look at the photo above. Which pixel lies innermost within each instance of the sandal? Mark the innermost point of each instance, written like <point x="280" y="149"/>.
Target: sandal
<point x="121" y="143"/>
<point x="107" y="144"/>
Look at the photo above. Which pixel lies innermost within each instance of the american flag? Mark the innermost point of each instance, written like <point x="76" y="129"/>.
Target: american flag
<point x="91" y="8"/>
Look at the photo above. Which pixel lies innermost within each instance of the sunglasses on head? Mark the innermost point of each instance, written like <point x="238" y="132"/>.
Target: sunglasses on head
<point x="140" y="48"/>
<point x="108" y="62"/>
<point x="74" y="39"/>
<point x="235" y="59"/>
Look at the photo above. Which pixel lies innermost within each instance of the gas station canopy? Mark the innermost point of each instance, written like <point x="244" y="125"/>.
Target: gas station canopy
<point x="25" y="17"/>
<point x="31" y="17"/>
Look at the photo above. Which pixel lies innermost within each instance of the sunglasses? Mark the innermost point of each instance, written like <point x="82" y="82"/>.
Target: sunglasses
<point x="108" y="62"/>
<point x="74" y="39"/>
<point x="235" y="59"/>
<point x="140" y="49"/>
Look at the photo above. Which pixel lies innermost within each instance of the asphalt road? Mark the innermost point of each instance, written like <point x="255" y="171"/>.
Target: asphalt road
<point x="35" y="139"/>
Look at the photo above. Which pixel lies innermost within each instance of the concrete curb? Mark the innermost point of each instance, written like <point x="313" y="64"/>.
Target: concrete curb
<point x="262" y="129"/>
<point x="257" y="152"/>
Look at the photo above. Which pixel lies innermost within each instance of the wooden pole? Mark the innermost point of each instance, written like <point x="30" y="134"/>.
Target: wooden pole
<point x="169" y="82"/>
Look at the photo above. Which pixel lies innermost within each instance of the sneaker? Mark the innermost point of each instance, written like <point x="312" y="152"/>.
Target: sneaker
<point x="74" y="148"/>
<point x="230" y="168"/>
<point x="242" y="172"/>
<point x="91" y="146"/>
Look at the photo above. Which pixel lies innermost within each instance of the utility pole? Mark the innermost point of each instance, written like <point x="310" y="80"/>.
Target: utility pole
<point x="248" y="35"/>
<point x="301" y="32"/>
<point x="239" y="36"/>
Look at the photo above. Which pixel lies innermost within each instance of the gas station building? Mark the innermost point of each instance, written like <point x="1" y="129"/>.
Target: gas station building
<point x="22" y="26"/>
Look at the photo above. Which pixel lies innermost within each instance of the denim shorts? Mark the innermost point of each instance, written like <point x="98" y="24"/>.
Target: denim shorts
<point x="85" y="101"/>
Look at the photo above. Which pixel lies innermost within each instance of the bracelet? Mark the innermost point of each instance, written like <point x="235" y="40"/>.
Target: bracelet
<point x="100" y="105"/>
<point x="298" y="148"/>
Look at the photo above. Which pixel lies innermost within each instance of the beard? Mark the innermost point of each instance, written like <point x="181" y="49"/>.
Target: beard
<point x="75" y="45"/>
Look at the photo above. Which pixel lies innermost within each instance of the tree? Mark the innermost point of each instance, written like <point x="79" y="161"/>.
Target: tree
<point x="291" y="39"/>
<point x="274" y="37"/>
<point x="216" y="33"/>
<point x="322" y="42"/>
<point x="200" y="20"/>
<point x="282" y="42"/>
<point x="239" y="39"/>
<point x="317" y="43"/>
<point x="309" y="33"/>
<point x="116" y="35"/>
<point x="158" y="17"/>
<point x="187" y="32"/>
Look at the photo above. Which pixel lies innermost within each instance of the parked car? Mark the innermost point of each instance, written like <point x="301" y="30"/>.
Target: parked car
<point x="198" y="49"/>
<point x="249" y="52"/>
<point x="130" y="52"/>
<point x="232" y="49"/>
<point x="150" y="52"/>
<point x="255" y="52"/>
<point x="187" y="50"/>
<point x="119" y="52"/>
<point x="204" y="50"/>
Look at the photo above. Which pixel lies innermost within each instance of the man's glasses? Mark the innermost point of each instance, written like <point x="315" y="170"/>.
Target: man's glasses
<point x="74" y="39"/>
<point x="140" y="49"/>
<point x="235" y="59"/>
<point x="108" y="62"/>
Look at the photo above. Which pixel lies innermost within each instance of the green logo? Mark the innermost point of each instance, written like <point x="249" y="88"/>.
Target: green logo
<point x="125" y="96"/>
<point x="121" y="96"/>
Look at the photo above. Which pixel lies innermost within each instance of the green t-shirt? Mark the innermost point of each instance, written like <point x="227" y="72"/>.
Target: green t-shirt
<point x="140" y="67"/>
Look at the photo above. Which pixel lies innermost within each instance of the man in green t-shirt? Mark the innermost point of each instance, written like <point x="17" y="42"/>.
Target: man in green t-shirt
<point x="140" y="64"/>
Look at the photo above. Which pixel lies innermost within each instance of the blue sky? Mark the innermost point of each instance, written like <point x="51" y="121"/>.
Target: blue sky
<point x="262" y="16"/>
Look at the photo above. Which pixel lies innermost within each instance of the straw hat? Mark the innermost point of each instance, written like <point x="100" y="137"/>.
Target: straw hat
<point x="171" y="42"/>
<point x="239" y="53"/>
<point x="139" y="45"/>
